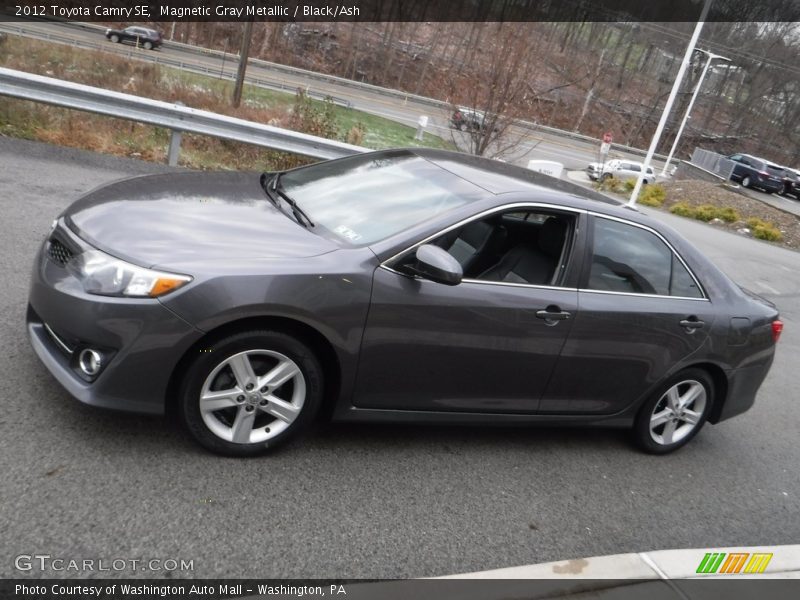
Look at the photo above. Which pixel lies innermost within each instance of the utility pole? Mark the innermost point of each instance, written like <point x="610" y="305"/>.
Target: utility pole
<point x="665" y="115"/>
<point x="711" y="57"/>
<point x="244" y="53"/>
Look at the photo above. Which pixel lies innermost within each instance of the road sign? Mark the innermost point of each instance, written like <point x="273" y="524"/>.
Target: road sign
<point x="607" y="137"/>
<point x="604" y="148"/>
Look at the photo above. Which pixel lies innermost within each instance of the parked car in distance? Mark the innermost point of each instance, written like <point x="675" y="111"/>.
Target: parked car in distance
<point x="754" y="172"/>
<point x="140" y="36"/>
<point x="621" y="169"/>
<point x="791" y="183"/>
<point x="411" y="286"/>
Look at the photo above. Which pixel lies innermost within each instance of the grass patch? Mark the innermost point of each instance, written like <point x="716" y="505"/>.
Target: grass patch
<point x="35" y="121"/>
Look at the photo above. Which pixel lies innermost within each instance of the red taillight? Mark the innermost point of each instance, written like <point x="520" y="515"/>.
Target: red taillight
<point x="777" y="329"/>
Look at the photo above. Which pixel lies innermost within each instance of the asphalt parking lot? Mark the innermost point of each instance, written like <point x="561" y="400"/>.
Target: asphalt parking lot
<point x="367" y="501"/>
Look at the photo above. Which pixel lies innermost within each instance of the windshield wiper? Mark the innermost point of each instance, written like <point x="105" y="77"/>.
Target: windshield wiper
<point x="275" y="186"/>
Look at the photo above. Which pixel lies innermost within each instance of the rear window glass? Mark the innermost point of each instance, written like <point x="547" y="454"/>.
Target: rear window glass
<point x="630" y="259"/>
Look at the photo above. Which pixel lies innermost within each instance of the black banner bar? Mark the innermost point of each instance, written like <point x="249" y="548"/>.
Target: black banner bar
<point x="431" y="589"/>
<point x="400" y="10"/>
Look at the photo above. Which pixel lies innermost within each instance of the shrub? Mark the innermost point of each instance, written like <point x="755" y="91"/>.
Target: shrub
<point x="682" y="209"/>
<point x="706" y="213"/>
<point x="764" y="231"/>
<point x="652" y="195"/>
<point x="728" y="214"/>
<point x="630" y="184"/>
<point x="356" y="134"/>
<point x="755" y="222"/>
<point x="613" y="184"/>
<point x="308" y="118"/>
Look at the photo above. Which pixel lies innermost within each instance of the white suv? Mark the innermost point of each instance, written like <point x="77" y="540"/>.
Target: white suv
<point x="621" y="169"/>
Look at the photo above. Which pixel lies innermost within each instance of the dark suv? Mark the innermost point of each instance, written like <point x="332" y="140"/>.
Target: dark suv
<point x="753" y="172"/>
<point x="140" y="36"/>
<point x="791" y="183"/>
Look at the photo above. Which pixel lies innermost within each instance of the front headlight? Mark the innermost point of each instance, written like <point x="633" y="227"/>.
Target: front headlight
<point x="105" y="275"/>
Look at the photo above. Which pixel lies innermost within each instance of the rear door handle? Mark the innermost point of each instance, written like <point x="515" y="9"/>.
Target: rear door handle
<point x="692" y="323"/>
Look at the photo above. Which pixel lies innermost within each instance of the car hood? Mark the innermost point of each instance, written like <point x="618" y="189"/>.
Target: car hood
<point x="175" y="217"/>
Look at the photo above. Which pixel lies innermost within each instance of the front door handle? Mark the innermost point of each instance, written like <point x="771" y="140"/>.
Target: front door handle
<point x="692" y="323"/>
<point x="552" y="314"/>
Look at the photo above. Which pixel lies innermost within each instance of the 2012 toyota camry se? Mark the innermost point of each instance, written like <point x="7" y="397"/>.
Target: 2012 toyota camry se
<point x="412" y="286"/>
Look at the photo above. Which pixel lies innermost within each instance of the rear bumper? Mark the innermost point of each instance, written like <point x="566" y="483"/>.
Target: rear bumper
<point x="743" y="385"/>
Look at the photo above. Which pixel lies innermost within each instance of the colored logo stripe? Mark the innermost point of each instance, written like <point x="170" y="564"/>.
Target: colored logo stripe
<point x="734" y="562"/>
<point x="758" y="563"/>
<point x="713" y="562"/>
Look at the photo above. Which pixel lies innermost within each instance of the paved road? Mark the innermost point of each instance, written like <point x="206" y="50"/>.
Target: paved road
<point x="368" y="501"/>
<point x="573" y="153"/>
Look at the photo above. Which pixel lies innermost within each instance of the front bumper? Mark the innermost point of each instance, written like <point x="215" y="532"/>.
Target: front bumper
<point x="142" y="340"/>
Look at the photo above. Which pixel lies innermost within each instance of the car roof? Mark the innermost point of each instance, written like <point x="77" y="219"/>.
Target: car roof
<point x="502" y="178"/>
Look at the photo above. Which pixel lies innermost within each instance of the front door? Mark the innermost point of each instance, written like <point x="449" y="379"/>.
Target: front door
<point x="484" y="345"/>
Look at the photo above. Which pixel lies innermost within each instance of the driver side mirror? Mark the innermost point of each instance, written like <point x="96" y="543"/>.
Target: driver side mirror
<point x="438" y="265"/>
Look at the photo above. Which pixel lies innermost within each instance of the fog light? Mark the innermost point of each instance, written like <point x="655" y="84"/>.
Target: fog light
<point x="90" y="362"/>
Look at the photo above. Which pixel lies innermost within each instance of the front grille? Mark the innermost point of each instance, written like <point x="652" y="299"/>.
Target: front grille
<point x="58" y="252"/>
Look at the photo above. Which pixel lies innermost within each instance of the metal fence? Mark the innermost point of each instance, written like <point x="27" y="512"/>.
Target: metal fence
<point x="175" y="117"/>
<point x="712" y="162"/>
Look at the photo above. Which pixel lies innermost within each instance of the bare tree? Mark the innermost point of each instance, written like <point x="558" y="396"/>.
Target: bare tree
<point x="496" y="83"/>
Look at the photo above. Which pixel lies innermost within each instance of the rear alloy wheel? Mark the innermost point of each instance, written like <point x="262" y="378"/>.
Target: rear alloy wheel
<point x="675" y="413"/>
<point x="148" y="45"/>
<point x="746" y="181"/>
<point x="114" y="38"/>
<point x="251" y="392"/>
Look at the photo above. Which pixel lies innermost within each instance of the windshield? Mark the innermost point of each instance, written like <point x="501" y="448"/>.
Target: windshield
<point x="367" y="198"/>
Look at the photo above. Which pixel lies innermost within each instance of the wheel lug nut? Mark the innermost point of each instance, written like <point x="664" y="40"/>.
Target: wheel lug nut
<point x="263" y="403"/>
<point x="240" y="398"/>
<point x="264" y="389"/>
<point x="248" y="408"/>
<point x="249" y="386"/>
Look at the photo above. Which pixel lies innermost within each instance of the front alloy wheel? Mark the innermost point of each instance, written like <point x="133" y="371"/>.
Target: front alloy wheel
<point x="675" y="414"/>
<point x="251" y="392"/>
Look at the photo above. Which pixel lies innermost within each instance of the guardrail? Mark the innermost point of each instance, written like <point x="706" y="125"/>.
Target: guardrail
<point x="321" y="77"/>
<point x="175" y="117"/>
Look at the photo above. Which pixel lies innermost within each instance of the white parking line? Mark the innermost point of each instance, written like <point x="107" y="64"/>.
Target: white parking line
<point x="767" y="287"/>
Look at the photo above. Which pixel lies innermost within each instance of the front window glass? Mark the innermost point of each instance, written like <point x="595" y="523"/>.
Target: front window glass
<point x="523" y="247"/>
<point x="364" y="199"/>
<point x="633" y="260"/>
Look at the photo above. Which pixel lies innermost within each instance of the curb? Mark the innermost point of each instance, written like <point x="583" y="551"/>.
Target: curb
<point x="661" y="564"/>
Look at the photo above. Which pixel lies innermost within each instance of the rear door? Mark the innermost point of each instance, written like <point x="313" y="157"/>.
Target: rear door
<point x="641" y="312"/>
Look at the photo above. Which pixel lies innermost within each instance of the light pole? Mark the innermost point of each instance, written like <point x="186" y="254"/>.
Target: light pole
<point x="675" y="87"/>
<point x="711" y="56"/>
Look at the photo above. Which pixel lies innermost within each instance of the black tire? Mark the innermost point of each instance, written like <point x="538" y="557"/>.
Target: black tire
<point x="114" y="38"/>
<point x="148" y="45"/>
<point x="646" y="437"/>
<point x="267" y="430"/>
<point x="746" y="181"/>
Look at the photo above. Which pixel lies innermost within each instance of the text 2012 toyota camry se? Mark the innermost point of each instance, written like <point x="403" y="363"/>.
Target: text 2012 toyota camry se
<point x="408" y="286"/>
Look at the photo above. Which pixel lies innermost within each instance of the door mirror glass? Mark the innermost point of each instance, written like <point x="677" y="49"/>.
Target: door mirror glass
<point x="438" y="265"/>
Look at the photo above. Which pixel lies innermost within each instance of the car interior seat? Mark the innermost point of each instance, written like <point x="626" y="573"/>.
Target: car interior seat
<point x="532" y="263"/>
